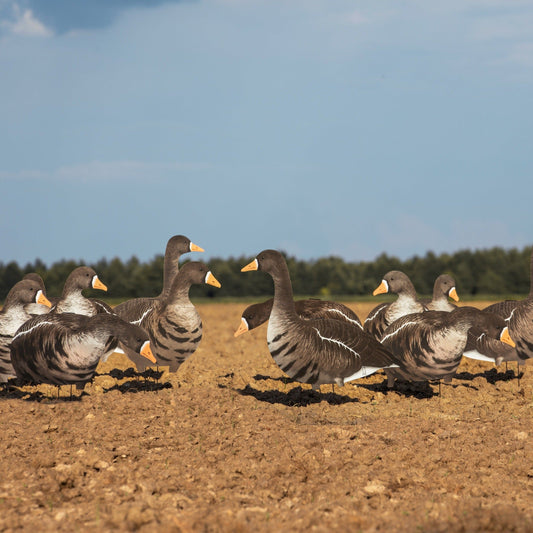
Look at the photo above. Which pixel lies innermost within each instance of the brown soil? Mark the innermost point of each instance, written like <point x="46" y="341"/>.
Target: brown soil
<point x="229" y="444"/>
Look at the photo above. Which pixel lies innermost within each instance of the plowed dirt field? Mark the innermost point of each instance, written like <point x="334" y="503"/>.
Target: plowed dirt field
<point x="229" y="444"/>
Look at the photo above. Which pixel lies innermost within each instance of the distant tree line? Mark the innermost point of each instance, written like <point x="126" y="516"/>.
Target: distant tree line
<point x="492" y="271"/>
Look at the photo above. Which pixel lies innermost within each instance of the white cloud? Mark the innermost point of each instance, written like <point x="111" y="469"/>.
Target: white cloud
<point x="24" y="23"/>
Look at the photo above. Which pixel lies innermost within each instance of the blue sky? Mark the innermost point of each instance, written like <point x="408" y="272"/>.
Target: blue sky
<point x="317" y="127"/>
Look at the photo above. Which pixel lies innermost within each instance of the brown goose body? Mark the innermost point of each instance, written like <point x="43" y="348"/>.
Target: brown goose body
<point x="256" y="314"/>
<point x="65" y="348"/>
<point x="173" y="323"/>
<point x="386" y="313"/>
<point x="315" y="351"/>
<point x="443" y="289"/>
<point x="72" y="299"/>
<point x="134" y="310"/>
<point x="430" y="345"/>
<point x="14" y="313"/>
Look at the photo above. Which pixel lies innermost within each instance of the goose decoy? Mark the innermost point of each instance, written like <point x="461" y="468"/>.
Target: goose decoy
<point x="482" y="348"/>
<point x="315" y="351"/>
<point x="65" y="348"/>
<point x="173" y="323"/>
<point x="13" y="315"/>
<point x="443" y="289"/>
<point x="72" y="299"/>
<point x="430" y="345"/>
<point x="256" y="314"/>
<point x="519" y="316"/>
<point x="385" y="314"/>
<point x="134" y="310"/>
<point x="39" y="309"/>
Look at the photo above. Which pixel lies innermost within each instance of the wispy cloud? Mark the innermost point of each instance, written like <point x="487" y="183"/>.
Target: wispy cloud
<point x="23" y="22"/>
<point x="65" y="16"/>
<point x="108" y="170"/>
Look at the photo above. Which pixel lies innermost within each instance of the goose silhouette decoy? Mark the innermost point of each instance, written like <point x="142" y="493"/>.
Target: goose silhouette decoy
<point x="429" y="345"/>
<point x="443" y="289"/>
<point x="65" y="348"/>
<point x="73" y="301"/>
<point x="134" y="310"/>
<point x="256" y="314"/>
<point x="385" y="314"/>
<point x="173" y="323"/>
<point x="315" y="351"/>
<point x="14" y="313"/>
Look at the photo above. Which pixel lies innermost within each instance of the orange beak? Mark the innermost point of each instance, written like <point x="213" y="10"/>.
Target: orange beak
<point x="146" y="351"/>
<point x="97" y="284"/>
<point x="211" y="280"/>
<point x="383" y="287"/>
<point x="243" y="328"/>
<point x="250" y="266"/>
<point x="42" y="299"/>
<point x="453" y="294"/>
<point x="195" y="248"/>
<point x="505" y="337"/>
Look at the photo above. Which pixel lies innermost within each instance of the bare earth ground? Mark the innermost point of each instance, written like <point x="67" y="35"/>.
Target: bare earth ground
<point x="228" y="444"/>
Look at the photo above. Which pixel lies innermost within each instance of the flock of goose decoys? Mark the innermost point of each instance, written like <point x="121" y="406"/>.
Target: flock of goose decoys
<point x="61" y="340"/>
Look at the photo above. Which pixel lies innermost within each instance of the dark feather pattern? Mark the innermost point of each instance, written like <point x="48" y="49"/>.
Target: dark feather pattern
<point x="173" y="323"/>
<point x="65" y="348"/>
<point x="430" y="345"/>
<point x="319" y="350"/>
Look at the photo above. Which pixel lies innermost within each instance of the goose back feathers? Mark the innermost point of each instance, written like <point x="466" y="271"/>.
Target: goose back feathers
<point x="315" y="351"/>
<point x="518" y="314"/>
<point x="256" y="314"/>
<point x="520" y="320"/>
<point x="65" y="348"/>
<point x="430" y="345"/>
